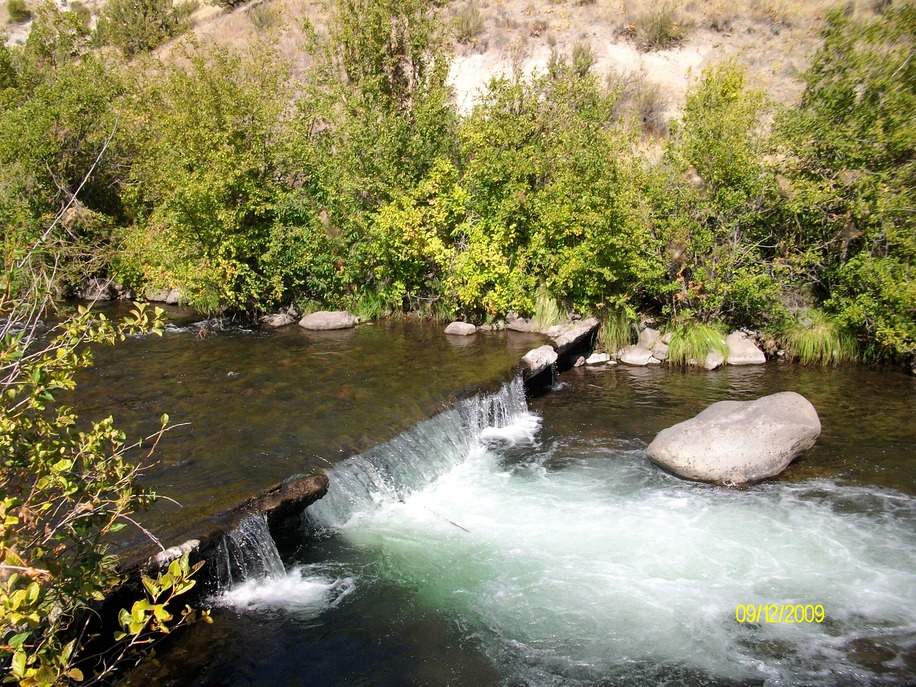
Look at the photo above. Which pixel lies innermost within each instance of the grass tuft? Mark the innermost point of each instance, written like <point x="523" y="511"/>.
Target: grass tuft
<point x="659" y="27"/>
<point x="547" y="312"/>
<point x="692" y="342"/>
<point x="618" y="330"/>
<point x="468" y="23"/>
<point x="17" y="11"/>
<point x="814" y="339"/>
<point x="583" y="58"/>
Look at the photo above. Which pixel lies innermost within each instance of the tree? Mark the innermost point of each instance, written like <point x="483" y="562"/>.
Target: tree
<point x="851" y="178"/>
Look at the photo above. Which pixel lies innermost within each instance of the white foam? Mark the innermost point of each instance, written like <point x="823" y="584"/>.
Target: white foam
<point x="298" y="590"/>
<point x="523" y="429"/>
<point x="587" y="571"/>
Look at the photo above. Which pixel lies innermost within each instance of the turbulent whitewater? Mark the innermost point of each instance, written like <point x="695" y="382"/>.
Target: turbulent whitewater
<point x="574" y="564"/>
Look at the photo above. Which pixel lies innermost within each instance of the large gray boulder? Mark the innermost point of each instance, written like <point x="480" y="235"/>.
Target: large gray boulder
<point x="738" y="442"/>
<point x="324" y="320"/>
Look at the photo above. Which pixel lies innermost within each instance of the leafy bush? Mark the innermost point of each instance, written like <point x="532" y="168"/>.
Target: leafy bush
<point x="138" y="26"/>
<point x="711" y="198"/>
<point x="583" y="58"/>
<point x="851" y="171"/>
<point x="64" y="488"/>
<point x="206" y="176"/>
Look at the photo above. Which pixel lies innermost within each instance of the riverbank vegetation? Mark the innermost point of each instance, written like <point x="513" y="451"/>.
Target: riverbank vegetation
<point x="357" y="182"/>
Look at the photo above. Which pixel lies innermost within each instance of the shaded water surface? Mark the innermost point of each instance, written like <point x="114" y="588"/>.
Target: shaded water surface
<point x="512" y="541"/>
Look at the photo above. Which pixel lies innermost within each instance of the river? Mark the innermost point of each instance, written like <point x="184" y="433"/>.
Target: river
<point x="493" y="539"/>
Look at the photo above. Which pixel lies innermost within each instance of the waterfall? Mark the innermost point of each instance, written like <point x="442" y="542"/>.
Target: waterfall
<point x="393" y="470"/>
<point x="247" y="552"/>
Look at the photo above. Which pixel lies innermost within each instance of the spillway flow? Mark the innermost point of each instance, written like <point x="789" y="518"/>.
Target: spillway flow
<point x="577" y="564"/>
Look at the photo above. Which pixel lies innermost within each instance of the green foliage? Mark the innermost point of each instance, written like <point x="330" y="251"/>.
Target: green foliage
<point x="50" y="136"/>
<point x="548" y="199"/>
<point x="56" y="37"/>
<point x="380" y="118"/>
<point x="618" y="330"/>
<point x="583" y="58"/>
<point x="851" y="178"/>
<point x="659" y="27"/>
<point x="691" y="342"/>
<point x="814" y="339"/>
<point x="137" y="26"/>
<point x="264" y="16"/>
<point x="206" y="177"/>
<point x="18" y="11"/>
<point x="712" y="203"/>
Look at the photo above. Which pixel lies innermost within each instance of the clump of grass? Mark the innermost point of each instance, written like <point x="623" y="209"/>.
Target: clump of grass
<point x="547" y="312"/>
<point x="468" y="23"/>
<point x="618" y="330"/>
<point x="659" y="27"/>
<point x="17" y="11"/>
<point x="583" y="57"/>
<point x="813" y="338"/>
<point x="691" y="342"/>
<point x="264" y="16"/>
<point x="650" y="103"/>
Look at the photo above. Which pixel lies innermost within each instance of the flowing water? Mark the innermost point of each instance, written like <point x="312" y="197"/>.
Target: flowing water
<point x="513" y="541"/>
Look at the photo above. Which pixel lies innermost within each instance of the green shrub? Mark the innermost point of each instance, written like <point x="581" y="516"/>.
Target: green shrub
<point x="63" y="491"/>
<point x="18" y="11"/>
<point x="650" y="104"/>
<point x="850" y="164"/>
<point x="137" y="26"/>
<point x="264" y="16"/>
<point x="583" y="58"/>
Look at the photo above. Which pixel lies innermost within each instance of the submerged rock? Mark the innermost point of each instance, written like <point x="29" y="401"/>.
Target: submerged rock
<point x="738" y="442"/>
<point x="325" y="320"/>
<point x="461" y="329"/>
<point x="743" y="351"/>
<point x="538" y="359"/>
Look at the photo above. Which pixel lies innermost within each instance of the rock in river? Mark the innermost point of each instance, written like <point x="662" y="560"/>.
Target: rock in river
<point x="737" y="442"/>
<point x="460" y="329"/>
<point x="325" y="319"/>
